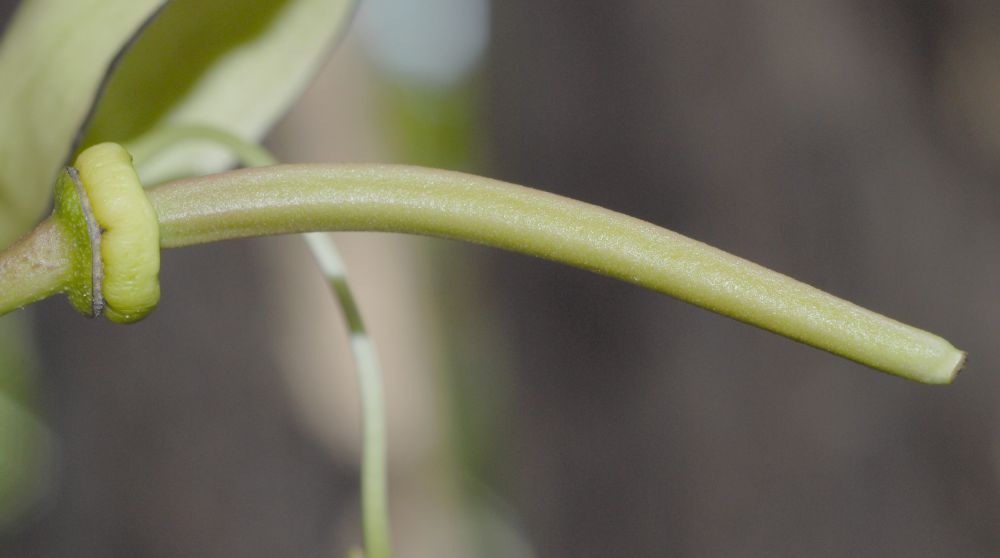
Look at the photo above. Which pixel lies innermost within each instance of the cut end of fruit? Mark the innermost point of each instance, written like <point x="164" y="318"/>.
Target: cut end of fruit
<point x="957" y="365"/>
<point x="950" y="365"/>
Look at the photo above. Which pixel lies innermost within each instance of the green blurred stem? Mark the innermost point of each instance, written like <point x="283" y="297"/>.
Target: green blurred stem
<point x="299" y="198"/>
<point x="374" y="469"/>
<point x="374" y="473"/>
<point x="249" y="154"/>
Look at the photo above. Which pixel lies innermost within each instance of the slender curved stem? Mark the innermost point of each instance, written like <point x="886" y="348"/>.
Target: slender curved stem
<point x="374" y="458"/>
<point x="249" y="154"/>
<point x="299" y="198"/>
<point x="374" y="469"/>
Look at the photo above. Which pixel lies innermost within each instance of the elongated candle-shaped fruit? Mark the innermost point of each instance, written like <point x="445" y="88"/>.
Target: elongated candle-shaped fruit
<point x="299" y="198"/>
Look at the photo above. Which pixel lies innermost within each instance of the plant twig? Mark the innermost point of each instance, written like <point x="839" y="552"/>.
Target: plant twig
<point x="37" y="266"/>
<point x="374" y="459"/>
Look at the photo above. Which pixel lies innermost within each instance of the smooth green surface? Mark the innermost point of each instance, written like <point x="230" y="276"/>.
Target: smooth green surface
<point x="300" y="198"/>
<point x="160" y="141"/>
<point x="235" y="65"/>
<point x="53" y="59"/>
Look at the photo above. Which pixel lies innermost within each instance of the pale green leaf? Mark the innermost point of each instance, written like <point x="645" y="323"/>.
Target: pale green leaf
<point x="53" y="60"/>
<point x="231" y="64"/>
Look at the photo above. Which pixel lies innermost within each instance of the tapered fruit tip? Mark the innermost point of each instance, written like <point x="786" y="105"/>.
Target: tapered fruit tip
<point x="949" y="368"/>
<point x="958" y="365"/>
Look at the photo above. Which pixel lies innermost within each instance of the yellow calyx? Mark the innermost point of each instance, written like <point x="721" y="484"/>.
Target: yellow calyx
<point x="130" y="235"/>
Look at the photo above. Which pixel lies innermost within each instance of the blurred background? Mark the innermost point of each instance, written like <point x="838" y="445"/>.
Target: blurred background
<point x="538" y="410"/>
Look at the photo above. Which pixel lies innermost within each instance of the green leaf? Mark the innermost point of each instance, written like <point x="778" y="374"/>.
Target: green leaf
<point x="53" y="61"/>
<point x="230" y="64"/>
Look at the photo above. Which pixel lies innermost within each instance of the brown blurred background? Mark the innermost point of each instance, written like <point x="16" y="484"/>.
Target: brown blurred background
<point x="541" y="410"/>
